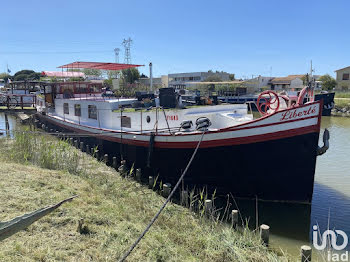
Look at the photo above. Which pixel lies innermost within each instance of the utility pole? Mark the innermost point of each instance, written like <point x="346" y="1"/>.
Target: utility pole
<point x="270" y="71"/>
<point x="116" y="52"/>
<point x="127" y="44"/>
<point x="150" y="77"/>
<point x="312" y="80"/>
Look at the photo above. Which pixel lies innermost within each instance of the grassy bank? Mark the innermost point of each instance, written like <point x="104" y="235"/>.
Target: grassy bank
<point x="342" y="102"/>
<point x="342" y="94"/>
<point x="39" y="170"/>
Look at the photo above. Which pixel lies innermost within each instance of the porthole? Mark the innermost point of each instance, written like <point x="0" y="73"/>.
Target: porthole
<point x="148" y="119"/>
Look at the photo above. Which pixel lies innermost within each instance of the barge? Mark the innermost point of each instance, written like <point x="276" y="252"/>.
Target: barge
<point x="271" y="158"/>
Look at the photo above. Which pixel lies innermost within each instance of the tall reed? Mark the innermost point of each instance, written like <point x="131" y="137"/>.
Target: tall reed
<point x="44" y="151"/>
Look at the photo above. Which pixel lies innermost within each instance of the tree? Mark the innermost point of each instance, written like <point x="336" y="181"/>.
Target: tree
<point x="5" y="76"/>
<point x="130" y="75"/>
<point x="20" y="77"/>
<point x="26" y="75"/>
<point x="143" y="76"/>
<point x="112" y="74"/>
<point x="328" y="82"/>
<point x="304" y="78"/>
<point x="108" y="82"/>
<point x="92" y="72"/>
<point x="231" y="77"/>
<point x="76" y="79"/>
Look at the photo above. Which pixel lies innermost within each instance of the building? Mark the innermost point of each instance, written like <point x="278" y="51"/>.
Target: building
<point x="343" y="79"/>
<point x="258" y="83"/>
<point x="157" y="82"/>
<point x="62" y="75"/>
<point x="184" y="80"/>
<point x="287" y="83"/>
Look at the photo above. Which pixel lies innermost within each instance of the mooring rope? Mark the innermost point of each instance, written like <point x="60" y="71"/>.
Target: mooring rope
<point x="166" y="119"/>
<point x="165" y="203"/>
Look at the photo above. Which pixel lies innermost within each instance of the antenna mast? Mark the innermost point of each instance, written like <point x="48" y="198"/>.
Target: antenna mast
<point x="127" y="43"/>
<point x="311" y="69"/>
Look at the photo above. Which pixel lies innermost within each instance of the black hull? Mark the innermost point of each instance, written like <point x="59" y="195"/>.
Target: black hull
<point x="278" y="170"/>
<point x="328" y="102"/>
<point x="281" y="170"/>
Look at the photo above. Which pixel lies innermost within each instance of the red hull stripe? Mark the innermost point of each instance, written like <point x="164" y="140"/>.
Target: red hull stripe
<point x="222" y="142"/>
<point x="206" y="144"/>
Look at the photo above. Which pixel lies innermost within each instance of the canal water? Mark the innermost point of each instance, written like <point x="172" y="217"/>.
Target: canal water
<point x="291" y="224"/>
<point x="12" y="124"/>
<point x="331" y="199"/>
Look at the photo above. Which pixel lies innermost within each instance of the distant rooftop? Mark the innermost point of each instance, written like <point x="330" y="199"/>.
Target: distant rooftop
<point x="62" y="74"/>
<point x="342" y="68"/>
<point x="217" y="83"/>
<point x="98" y="65"/>
<point x="285" y="79"/>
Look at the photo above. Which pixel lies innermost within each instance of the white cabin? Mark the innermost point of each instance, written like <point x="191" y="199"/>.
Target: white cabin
<point x="106" y="114"/>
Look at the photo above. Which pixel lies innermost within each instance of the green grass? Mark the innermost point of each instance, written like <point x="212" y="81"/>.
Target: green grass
<point x="342" y="102"/>
<point x="342" y="94"/>
<point x="40" y="170"/>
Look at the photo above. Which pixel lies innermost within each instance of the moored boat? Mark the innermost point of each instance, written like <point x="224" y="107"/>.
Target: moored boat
<point x="272" y="157"/>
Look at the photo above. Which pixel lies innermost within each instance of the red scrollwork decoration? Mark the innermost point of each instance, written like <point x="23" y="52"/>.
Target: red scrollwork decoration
<point x="268" y="102"/>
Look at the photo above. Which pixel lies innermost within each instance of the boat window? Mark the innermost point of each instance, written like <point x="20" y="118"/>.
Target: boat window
<point x="126" y="121"/>
<point x="66" y="108"/>
<point x="92" y="110"/>
<point x="77" y="110"/>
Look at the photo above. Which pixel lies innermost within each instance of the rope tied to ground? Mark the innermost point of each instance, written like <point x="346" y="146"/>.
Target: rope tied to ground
<point x="132" y="247"/>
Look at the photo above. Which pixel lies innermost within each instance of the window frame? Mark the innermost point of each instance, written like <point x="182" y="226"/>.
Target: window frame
<point x="346" y="76"/>
<point x="77" y="108"/>
<point x="92" y="112"/>
<point x="66" y="108"/>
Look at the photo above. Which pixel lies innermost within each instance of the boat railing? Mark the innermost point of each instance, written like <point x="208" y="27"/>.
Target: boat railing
<point x="12" y="101"/>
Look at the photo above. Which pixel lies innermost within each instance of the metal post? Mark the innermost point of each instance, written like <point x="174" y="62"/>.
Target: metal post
<point x="138" y="174"/>
<point x="7" y="125"/>
<point x="306" y="252"/>
<point x="184" y="198"/>
<point x="166" y="189"/>
<point x="114" y="162"/>
<point x="264" y="234"/>
<point x="234" y="218"/>
<point x="150" y="182"/>
<point x="208" y="207"/>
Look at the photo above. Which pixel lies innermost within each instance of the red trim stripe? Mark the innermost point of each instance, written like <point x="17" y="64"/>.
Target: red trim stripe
<point x="222" y="142"/>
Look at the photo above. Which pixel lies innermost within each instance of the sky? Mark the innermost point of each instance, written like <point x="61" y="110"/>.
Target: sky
<point x="244" y="37"/>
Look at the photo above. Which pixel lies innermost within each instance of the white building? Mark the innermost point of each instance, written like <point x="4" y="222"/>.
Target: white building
<point x="257" y="83"/>
<point x="157" y="82"/>
<point x="287" y="83"/>
<point x="184" y="80"/>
